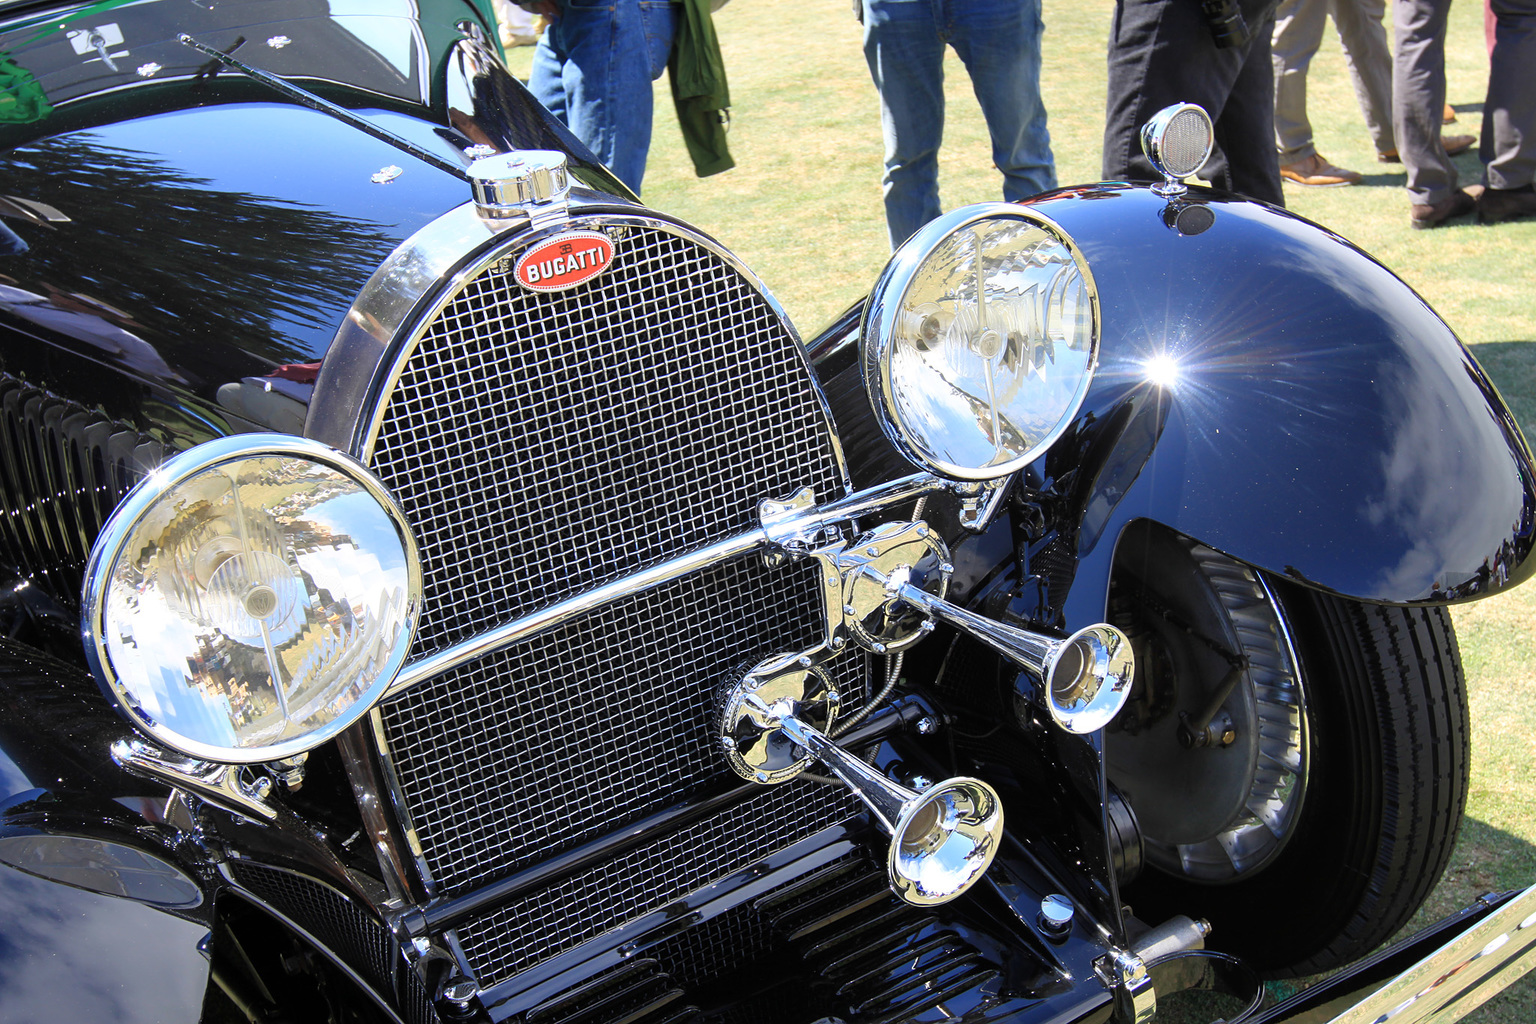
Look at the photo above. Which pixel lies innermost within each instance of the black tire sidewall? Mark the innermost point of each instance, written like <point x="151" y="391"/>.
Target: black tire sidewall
<point x="1341" y="884"/>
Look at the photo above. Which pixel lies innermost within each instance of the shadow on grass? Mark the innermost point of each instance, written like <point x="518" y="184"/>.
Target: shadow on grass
<point x="1486" y="859"/>
<point x="1512" y="367"/>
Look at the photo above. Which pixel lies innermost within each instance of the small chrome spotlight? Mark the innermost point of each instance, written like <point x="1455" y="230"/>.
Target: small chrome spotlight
<point x="1178" y="140"/>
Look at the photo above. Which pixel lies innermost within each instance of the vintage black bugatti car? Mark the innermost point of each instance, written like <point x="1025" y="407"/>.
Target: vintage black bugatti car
<point x="439" y="587"/>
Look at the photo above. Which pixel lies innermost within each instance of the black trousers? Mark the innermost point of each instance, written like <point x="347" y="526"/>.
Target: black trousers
<point x="1163" y="52"/>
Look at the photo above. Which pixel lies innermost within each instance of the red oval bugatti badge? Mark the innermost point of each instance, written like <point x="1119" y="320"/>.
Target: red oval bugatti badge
<point x="564" y="261"/>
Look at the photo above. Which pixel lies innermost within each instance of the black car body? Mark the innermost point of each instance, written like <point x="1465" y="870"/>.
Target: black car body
<point x="252" y="220"/>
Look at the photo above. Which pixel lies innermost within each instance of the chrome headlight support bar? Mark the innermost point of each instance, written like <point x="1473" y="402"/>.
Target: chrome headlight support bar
<point x="789" y="529"/>
<point x="883" y="590"/>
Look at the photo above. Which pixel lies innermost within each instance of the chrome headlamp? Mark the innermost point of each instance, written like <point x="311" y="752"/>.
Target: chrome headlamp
<point x="980" y="340"/>
<point x="251" y="598"/>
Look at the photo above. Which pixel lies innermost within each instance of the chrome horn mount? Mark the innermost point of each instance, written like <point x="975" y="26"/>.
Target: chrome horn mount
<point x="893" y="584"/>
<point x="884" y="592"/>
<point x="942" y="838"/>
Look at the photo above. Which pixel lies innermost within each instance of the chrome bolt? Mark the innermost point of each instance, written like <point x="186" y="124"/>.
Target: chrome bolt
<point x="461" y="992"/>
<point x="878" y="647"/>
<point x="1056" y="912"/>
<point x="727" y="742"/>
<point x="258" y="788"/>
<point x="805" y="661"/>
<point x="928" y="626"/>
<point x="922" y="530"/>
<point x="849" y="609"/>
<point x="838" y="643"/>
<point x="872" y="551"/>
<point x="832" y="581"/>
<point x="760" y="775"/>
<point x="833" y="697"/>
<point x="946" y="567"/>
<point x="920" y="782"/>
<point x="927" y="725"/>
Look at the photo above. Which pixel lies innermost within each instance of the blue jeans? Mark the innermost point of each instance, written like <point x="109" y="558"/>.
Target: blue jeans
<point x="999" y="43"/>
<point x="593" y="68"/>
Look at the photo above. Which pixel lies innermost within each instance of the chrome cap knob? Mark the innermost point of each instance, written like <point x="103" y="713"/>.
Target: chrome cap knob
<point x="508" y="183"/>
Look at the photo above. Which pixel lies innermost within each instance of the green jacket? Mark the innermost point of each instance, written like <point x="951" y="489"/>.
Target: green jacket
<point x="699" y="91"/>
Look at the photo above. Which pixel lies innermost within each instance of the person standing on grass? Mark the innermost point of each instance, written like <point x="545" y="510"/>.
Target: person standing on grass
<point x="1298" y="33"/>
<point x="1509" y="115"/>
<point x="1418" y="97"/>
<point x="1212" y="52"/>
<point x="999" y="43"/>
<point x="593" y="68"/>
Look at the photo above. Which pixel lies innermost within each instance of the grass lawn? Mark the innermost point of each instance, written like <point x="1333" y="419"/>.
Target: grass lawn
<point x="803" y="208"/>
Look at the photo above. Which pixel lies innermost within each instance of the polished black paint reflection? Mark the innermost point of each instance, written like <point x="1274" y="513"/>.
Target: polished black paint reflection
<point x="1280" y="396"/>
<point x="209" y="228"/>
<point x="71" y="955"/>
<point x="66" y="952"/>
<point x="55" y="733"/>
<point x="181" y="268"/>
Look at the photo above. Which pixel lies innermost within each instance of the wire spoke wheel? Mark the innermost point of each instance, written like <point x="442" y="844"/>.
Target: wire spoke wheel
<point x="1297" y="761"/>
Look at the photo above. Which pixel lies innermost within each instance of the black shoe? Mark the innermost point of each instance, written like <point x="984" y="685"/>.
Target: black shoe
<point x="1497" y="205"/>
<point x="1432" y="215"/>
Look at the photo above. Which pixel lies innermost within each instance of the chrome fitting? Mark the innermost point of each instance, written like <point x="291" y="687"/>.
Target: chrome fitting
<point x="1055" y="920"/>
<point x="532" y="183"/>
<point x="230" y="786"/>
<point x="1125" y="975"/>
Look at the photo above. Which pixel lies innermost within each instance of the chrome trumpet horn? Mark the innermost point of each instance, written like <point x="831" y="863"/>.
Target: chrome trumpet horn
<point x="942" y="838"/>
<point x="894" y="582"/>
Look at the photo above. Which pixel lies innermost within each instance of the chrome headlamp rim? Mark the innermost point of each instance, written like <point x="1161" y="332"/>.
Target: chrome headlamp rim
<point x="877" y="340"/>
<point x="120" y="527"/>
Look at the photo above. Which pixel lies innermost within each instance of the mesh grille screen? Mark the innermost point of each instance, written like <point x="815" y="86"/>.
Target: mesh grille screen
<point x="330" y="917"/>
<point x="542" y="443"/>
<point x="542" y="924"/>
<point x="581" y="728"/>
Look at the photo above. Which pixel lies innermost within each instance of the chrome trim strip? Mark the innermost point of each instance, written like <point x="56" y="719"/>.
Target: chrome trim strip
<point x="363" y="770"/>
<point x="369" y="352"/>
<point x="402" y="809"/>
<point x="1455" y="979"/>
<point x="791" y="531"/>
<point x="416" y="268"/>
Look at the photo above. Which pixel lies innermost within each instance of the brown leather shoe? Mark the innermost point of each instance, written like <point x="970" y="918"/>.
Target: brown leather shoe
<point x="1497" y="205"/>
<point x="1317" y="172"/>
<point x="1455" y="145"/>
<point x="1432" y="215"/>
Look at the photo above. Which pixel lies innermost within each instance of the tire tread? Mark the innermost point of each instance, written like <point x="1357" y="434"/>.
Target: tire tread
<point x="1415" y="692"/>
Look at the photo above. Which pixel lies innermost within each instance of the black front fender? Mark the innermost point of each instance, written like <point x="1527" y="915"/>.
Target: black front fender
<point x="70" y="954"/>
<point x="1270" y="390"/>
